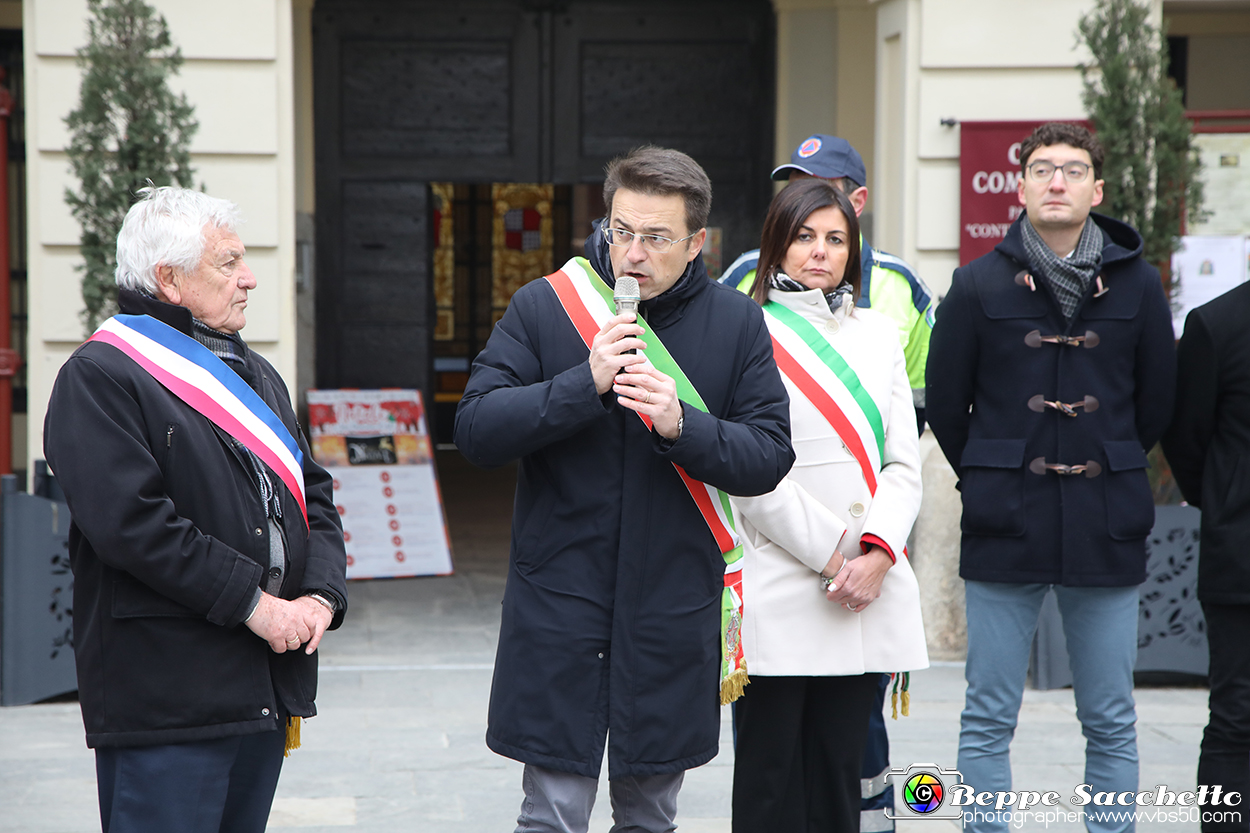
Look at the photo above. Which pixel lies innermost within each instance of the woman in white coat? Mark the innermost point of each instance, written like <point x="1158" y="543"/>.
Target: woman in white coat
<point x="828" y="595"/>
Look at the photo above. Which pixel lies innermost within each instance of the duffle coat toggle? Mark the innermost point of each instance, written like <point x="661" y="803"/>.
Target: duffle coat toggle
<point x="1023" y="278"/>
<point x="1040" y="403"/>
<point x="1034" y="338"/>
<point x="1090" y="468"/>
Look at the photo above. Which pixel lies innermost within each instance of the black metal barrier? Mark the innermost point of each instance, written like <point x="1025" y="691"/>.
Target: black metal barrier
<point x="36" y="592"/>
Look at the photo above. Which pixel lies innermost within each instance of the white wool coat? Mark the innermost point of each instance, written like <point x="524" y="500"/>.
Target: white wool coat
<point x="789" y="627"/>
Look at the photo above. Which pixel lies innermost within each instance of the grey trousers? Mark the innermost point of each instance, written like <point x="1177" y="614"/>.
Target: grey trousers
<point x="560" y="802"/>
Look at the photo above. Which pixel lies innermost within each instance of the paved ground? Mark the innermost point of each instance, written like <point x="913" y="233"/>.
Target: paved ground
<point x="398" y="745"/>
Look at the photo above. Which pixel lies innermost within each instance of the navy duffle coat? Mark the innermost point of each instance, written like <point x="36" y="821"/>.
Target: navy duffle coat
<point x="1084" y="529"/>
<point x="611" y="614"/>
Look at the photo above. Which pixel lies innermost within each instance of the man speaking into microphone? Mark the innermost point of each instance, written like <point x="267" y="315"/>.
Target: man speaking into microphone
<point x="623" y="601"/>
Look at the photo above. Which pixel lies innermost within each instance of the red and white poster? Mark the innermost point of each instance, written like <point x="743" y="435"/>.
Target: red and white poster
<point x="376" y="446"/>
<point x="989" y="173"/>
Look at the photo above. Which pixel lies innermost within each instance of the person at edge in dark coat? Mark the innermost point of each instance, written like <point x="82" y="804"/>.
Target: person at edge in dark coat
<point x="1207" y="446"/>
<point x="1051" y="372"/>
<point x="201" y="586"/>
<point x="615" y="608"/>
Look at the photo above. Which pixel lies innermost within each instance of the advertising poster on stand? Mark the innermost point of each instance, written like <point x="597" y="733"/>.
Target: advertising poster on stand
<point x="376" y="446"/>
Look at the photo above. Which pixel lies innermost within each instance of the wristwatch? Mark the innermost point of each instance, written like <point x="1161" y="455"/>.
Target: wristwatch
<point x="325" y="599"/>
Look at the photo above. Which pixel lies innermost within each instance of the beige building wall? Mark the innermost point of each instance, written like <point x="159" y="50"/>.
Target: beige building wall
<point x="825" y="71"/>
<point x="826" y="77"/>
<point x="961" y="60"/>
<point x="239" y="76"/>
<point x="1219" y="53"/>
<point x="954" y="61"/>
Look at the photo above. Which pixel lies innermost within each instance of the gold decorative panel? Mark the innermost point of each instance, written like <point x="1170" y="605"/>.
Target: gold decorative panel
<point x="521" y="248"/>
<point x="444" y="261"/>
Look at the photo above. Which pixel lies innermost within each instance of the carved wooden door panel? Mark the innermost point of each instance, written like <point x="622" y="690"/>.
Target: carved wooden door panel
<point x="695" y="76"/>
<point x="481" y="91"/>
<point x="406" y="94"/>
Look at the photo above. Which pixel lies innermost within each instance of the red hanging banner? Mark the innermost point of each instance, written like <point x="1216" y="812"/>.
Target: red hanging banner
<point x="989" y="173"/>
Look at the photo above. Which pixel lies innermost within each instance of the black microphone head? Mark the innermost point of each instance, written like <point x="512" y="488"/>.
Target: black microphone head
<point x="627" y="289"/>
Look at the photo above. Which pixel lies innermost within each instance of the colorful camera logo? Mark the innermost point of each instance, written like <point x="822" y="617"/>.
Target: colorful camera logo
<point x="922" y="793"/>
<point x="925" y="789"/>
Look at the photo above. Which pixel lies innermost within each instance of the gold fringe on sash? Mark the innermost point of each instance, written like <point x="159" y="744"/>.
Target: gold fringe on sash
<point x="894" y="695"/>
<point x="292" y="736"/>
<point x="731" y="687"/>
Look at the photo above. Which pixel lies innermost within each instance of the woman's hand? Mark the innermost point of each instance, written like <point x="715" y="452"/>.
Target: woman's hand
<point x="860" y="582"/>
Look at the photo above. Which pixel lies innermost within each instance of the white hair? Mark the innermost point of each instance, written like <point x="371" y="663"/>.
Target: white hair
<point x="166" y="227"/>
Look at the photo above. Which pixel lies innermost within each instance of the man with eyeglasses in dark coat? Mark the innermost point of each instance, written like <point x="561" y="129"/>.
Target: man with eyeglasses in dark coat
<point x="1051" y="373"/>
<point x="612" y="616"/>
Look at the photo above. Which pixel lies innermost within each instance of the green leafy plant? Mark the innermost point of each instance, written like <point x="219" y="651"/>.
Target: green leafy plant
<point x="129" y="129"/>
<point x="1152" y="169"/>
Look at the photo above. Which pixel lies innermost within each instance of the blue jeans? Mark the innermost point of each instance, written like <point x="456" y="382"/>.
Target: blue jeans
<point x="1100" y="624"/>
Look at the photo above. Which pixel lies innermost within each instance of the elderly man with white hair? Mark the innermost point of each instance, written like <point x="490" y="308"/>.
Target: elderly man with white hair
<point x="207" y="554"/>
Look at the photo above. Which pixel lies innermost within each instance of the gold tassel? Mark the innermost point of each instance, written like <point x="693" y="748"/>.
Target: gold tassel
<point x="907" y="694"/>
<point x="894" y="697"/>
<point x="292" y="736"/>
<point x="731" y="687"/>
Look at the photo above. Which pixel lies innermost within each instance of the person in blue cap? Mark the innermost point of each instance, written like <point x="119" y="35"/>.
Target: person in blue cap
<point x="891" y="287"/>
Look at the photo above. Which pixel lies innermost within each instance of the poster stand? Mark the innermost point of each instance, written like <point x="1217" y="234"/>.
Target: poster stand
<point x="376" y="446"/>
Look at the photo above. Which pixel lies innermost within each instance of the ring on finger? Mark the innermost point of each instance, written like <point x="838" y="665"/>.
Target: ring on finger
<point x="647" y="401"/>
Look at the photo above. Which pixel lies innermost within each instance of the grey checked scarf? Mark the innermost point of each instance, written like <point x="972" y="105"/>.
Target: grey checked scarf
<point x="834" y="297"/>
<point x="1068" y="277"/>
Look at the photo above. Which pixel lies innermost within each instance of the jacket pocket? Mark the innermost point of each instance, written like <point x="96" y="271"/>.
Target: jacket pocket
<point x="1130" y="504"/>
<point x="992" y="486"/>
<point x="168" y="458"/>
<point x="132" y="599"/>
<point x="820" y="451"/>
<point x="530" y="552"/>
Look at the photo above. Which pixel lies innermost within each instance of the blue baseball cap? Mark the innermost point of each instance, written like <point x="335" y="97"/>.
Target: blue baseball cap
<point x="828" y="157"/>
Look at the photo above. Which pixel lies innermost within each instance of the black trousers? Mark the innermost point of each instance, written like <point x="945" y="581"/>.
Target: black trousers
<point x="1225" y="755"/>
<point x="211" y="786"/>
<point x="800" y="751"/>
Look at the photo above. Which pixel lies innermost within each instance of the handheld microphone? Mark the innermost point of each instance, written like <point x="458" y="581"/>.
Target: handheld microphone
<point x="627" y="297"/>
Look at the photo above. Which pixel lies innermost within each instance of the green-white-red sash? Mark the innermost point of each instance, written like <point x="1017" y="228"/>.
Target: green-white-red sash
<point x="191" y="372"/>
<point x="823" y="377"/>
<point x="587" y="301"/>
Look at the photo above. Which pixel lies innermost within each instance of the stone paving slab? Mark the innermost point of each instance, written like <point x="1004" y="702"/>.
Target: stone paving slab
<point x="398" y="744"/>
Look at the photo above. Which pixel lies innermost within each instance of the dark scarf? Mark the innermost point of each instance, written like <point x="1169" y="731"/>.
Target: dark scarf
<point x="833" y="298"/>
<point x="231" y="350"/>
<point x="1068" y="277"/>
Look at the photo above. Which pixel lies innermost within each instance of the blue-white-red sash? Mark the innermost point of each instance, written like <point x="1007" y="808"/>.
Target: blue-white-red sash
<point x="190" y="371"/>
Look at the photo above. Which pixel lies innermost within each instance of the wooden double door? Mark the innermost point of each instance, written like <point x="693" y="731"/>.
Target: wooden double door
<point x="410" y="93"/>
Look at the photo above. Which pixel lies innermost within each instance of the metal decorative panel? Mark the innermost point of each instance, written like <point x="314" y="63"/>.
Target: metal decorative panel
<point x="687" y="95"/>
<point x="36" y="633"/>
<point x="382" y="308"/>
<point x="426" y="99"/>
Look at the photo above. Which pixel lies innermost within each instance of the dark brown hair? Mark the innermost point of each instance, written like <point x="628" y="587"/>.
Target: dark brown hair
<point x="787" y="214"/>
<point x="661" y="172"/>
<point x="1062" y="133"/>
